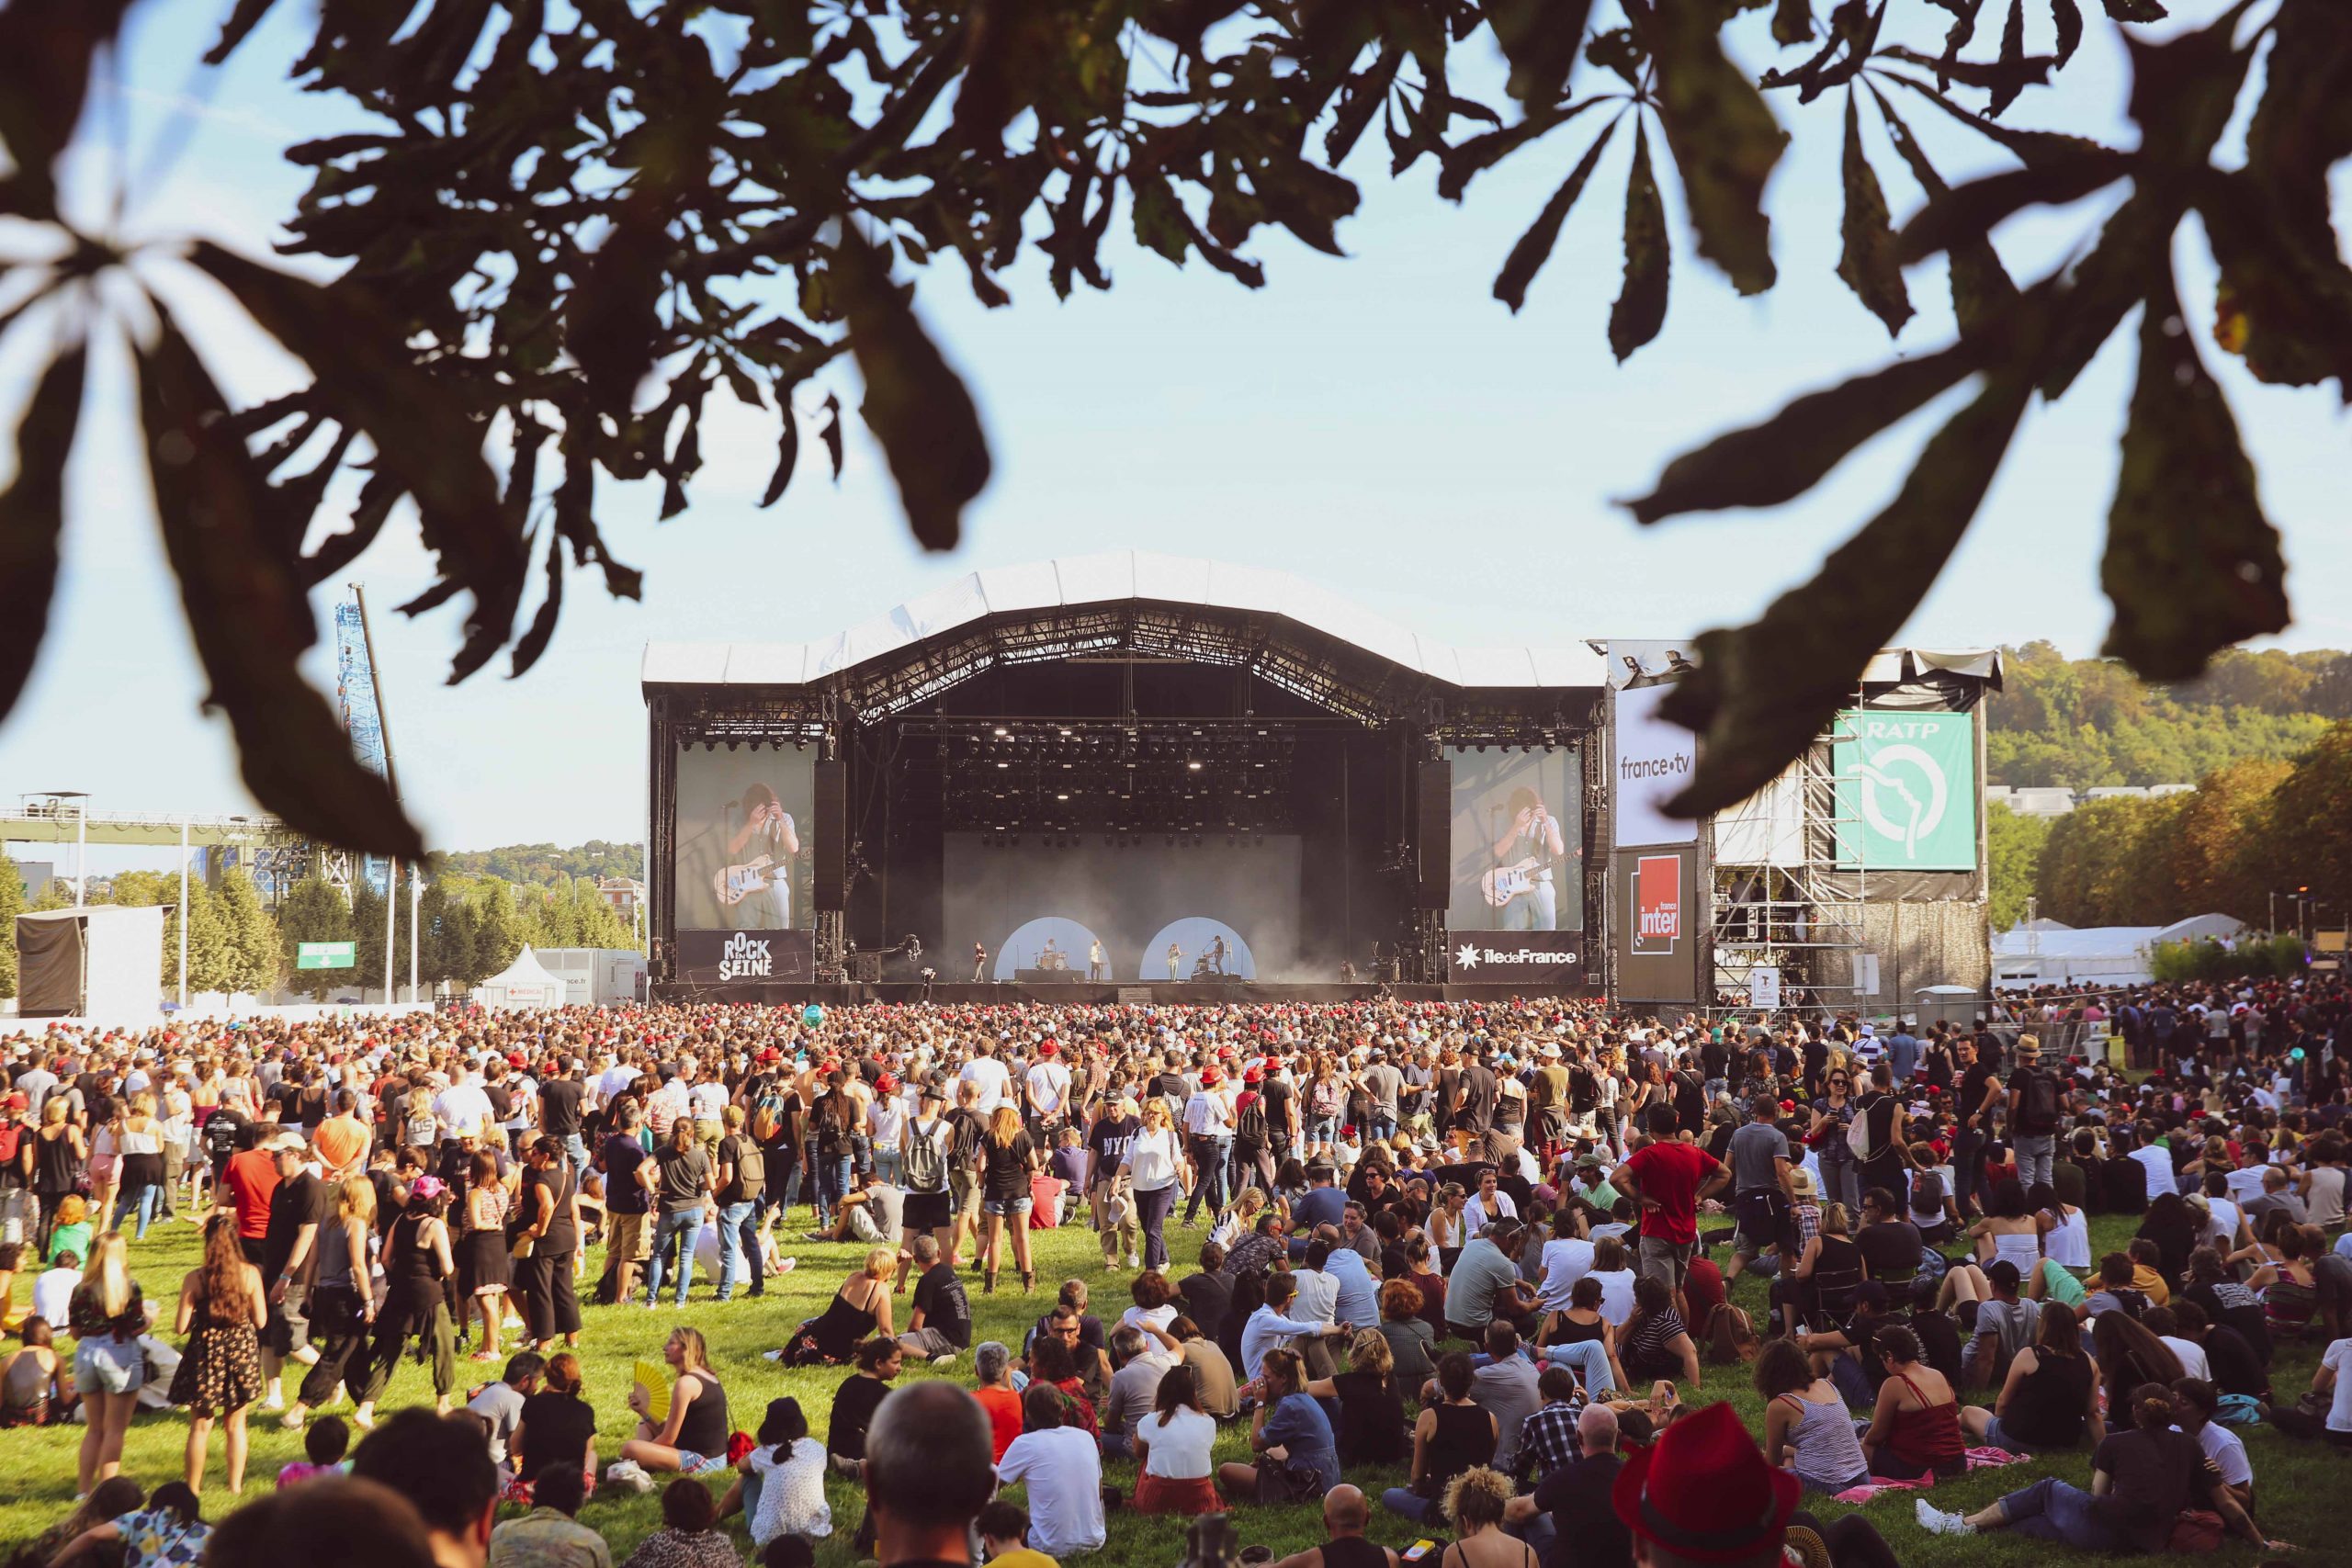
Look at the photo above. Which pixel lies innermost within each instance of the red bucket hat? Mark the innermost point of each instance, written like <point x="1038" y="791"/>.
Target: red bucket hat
<point x="1704" y="1492"/>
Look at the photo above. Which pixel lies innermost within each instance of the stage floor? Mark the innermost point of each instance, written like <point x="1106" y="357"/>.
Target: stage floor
<point x="1080" y="993"/>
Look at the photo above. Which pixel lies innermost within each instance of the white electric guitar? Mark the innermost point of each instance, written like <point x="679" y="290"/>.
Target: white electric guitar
<point x="737" y="883"/>
<point x="1505" y="883"/>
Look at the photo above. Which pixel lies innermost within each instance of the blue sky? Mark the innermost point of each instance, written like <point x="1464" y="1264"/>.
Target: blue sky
<point x="1378" y="423"/>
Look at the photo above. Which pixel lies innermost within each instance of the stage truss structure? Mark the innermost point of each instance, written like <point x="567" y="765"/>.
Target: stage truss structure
<point x="1805" y="918"/>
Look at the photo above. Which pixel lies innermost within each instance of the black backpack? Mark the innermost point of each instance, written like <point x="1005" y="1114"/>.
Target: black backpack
<point x="927" y="1170"/>
<point x="1250" y="1128"/>
<point x="2037" y="1102"/>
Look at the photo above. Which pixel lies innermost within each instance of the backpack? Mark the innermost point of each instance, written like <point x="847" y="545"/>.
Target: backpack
<point x="751" y="1168"/>
<point x="1858" y="1133"/>
<point x="2038" y="1103"/>
<point x="927" y="1170"/>
<point x="767" y="1118"/>
<point x="1250" y="1128"/>
<point x="1731" y="1335"/>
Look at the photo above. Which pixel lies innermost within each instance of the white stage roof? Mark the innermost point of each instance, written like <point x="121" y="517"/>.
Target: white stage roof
<point x="1113" y="577"/>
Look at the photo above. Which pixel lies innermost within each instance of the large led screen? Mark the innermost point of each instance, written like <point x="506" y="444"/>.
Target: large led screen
<point x="746" y="845"/>
<point x="1518" y="841"/>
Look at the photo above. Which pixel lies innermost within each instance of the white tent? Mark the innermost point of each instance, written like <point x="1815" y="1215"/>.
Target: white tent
<point x="526" y="983"/>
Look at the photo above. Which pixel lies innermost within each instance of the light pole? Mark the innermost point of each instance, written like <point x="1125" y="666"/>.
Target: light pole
<point x="416" y="896"/>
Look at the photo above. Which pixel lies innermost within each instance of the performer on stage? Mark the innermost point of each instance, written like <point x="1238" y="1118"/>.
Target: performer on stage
<point x="980" y="963"/>
<point x="1094" y="960"/>
<point x="1525" y="857"/>
<point x="1217" y="953"/>
<point x="1175" y="962"/>
<point x="1051" y="958"/>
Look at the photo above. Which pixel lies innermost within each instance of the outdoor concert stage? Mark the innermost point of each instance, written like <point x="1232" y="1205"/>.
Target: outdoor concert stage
<point x="1134" y="761"/>
<point x="1083" y="994"/>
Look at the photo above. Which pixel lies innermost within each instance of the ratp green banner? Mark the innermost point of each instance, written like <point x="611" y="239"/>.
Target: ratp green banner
<point x="1906" y="791"/>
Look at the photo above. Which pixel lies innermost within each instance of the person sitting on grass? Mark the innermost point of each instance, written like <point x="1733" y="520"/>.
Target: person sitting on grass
<point x="557" y="1426"/>
<point x="689" y="1536"/>
<point x="940" y="1327"/>
<point x="1004" y="1529"/>
<point x="2141" y="1478"/>
<point x="2195" y="1402"/>
<point x="859" y="1309"/>
<point x="692" y="1439"/>
<point x="29" y="1394"/>
<point x="170" y="1528"/>
<point x="550" y="1535"/>
<point x="1063" y="1470"/>
<point x="441" y="1465"/>
<point x="1475" y="1503"/>
<point x="324" y="1447"/>
<point x="859" y="1396"/>
<point x="1450" y="1435"/>
<point x="2049" y="1399"/>
<point x="1346" y="1512"/>
<point x="108" y="1501"/>
<point x="1175" y="1474"/>
<point x="54" y="1286"/>
<point x="1298" y="1456"/>
<point x="1807" y="1428"/>
<point x="781" y="1490"/>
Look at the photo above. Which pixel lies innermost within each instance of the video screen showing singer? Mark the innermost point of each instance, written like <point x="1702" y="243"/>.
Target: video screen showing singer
<point x="741" y="843"/>
<point x="1527" y="853"/>
<point x="1518" y="840"/>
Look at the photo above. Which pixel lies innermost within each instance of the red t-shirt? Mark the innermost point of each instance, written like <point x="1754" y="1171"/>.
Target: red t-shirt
<point x="1003" y="1407"/>
<point x="251" y="1179"/>
<point x="1702" y="1286"/>
<point x="1671" y="1173"/>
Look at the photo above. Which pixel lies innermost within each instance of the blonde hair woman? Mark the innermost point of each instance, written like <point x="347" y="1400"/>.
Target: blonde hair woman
<point x="1474" y="1502"/>
<point x="110" y="1364"/>
<point x="1157" y="1171"/>
<point x="343" y="1300"/>
<point x="859" y="1309"/>
<point x="691" y="1439"/>
<point x="1007" y="1163"/>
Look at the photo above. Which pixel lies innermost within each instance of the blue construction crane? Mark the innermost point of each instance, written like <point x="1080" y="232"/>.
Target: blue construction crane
<point x="362" y="702"/>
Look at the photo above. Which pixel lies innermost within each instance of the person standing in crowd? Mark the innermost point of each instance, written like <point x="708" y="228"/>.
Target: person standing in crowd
<point x="222" y="1306"/>
<point x="545" y="1245"/>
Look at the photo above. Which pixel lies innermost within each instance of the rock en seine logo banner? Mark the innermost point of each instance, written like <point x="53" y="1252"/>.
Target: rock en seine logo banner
<point x="746" y="958"/>
<point x="1906" y="791"/>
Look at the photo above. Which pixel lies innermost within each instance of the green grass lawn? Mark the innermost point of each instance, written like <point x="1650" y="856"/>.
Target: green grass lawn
<point x="2301" y="1488"/>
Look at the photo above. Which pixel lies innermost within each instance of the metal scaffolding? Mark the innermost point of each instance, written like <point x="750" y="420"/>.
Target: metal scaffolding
<point x="1801" y="911"/>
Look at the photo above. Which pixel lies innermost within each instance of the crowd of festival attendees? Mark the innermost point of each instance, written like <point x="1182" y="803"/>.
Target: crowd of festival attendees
<point x="1469" y="1243"/>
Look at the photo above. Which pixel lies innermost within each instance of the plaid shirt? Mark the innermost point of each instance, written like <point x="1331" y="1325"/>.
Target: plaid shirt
<point x="1548" y="1437"/>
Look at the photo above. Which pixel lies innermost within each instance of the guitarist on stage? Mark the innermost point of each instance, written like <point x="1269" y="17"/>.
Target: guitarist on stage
<point x="765" y="844"/>
<point x="1528" y="851"/>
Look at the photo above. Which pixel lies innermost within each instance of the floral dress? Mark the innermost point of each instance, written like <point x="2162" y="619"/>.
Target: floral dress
<point x="158" y="1537"/>
<point x="222" y="1368"/>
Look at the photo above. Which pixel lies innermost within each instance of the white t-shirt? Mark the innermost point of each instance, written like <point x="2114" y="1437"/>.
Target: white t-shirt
<point x="1180" y="1443"/>
<point x="1565" y="1261"/>
<point x="2220" y="1223"/>
<point x="1616" y="1296"/>
<point x="2227" y="1450"/>
<point x="2192" y="1358"/>
<point x="1319" y="1296"/>
<point x="2157" y="1163"/>
<point x="792" y="1493"/>
<point x="1152" y="1159"/>
<point x="1048" y="1088"/>
<point x="2339" y="1361"/>
<point x="53" y="1294"/>
<point x="991" y="1075"/>
<point x="1064" y="1473"/>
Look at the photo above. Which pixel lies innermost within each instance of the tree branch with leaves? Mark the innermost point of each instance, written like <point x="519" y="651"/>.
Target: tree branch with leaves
<point x="565" y="229"/>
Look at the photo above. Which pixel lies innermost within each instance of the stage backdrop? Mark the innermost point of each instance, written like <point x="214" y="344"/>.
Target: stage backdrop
<point x="746" y="841"/>
<point x="1518" y="841"/>
<point x="1137" y="897"/>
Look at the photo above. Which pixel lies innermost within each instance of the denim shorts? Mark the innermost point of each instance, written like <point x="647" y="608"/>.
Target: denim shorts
<point x="693" y="1463"/>
<point x="1008" y="1206"/>
<point x="103" y="1365"/>
<point x="1999" y="1437"/>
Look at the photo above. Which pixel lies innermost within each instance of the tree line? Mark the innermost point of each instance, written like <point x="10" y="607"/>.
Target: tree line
<point x="2251" y="839"/>
<point x="468" y="927"/>
<point x="2081" y="723"/>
